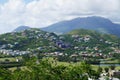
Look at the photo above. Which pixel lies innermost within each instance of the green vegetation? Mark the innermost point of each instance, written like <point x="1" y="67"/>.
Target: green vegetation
<point x="9" y="59"/>
<point x="48" y="70"/>
<point x="38" y="55"/>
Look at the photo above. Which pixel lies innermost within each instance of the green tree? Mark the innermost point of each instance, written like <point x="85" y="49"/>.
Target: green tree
<point x="112" y="67"/>
<point x="106" y="69"/>
<point x="5" y="74"/>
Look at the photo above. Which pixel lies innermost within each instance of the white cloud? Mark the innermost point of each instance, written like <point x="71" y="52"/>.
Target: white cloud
<point x="39" y="13"/>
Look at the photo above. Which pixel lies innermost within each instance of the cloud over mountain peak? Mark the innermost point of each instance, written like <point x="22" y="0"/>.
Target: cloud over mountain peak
<point x="40" y="13"/>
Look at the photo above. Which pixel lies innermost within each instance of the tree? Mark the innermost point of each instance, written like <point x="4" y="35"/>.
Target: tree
<point x="106" y="69"/>
<point x="5" y="74"/>
<point x="99" y="69"/>
<point x="112" y="67"/>
<point x="46" y="70"/>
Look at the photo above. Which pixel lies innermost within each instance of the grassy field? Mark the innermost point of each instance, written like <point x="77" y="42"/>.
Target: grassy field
<point x="22" y="68"/>
<point x="95" y="67"/>
<point x="110" y="60"/>
<point x="11" y="59"/>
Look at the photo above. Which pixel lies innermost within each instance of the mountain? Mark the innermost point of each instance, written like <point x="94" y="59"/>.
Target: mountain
<point x="99" y="24"/>
<point x="21" y="28"/>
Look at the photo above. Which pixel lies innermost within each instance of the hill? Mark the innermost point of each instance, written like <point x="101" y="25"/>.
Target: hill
<point x="28" y="39"/>
<point x="83" y="39"/>
<point x="21" y="28"/>
<point x="99" y="24"/>
<point x="79" y="40"/>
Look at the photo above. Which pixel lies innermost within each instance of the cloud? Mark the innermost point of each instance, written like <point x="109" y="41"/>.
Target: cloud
<point x="40" y="13"/>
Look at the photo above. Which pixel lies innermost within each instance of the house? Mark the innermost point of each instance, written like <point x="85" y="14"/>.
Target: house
<point x="87" y="38"/>
<point x="75" y="36"/>
<point x="74" y="55"/>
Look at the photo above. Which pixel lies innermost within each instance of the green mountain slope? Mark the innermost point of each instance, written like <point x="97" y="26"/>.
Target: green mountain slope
<point x="88" y="41"/>
<point x="77" y="41"/>
<point x="28" y="39"/>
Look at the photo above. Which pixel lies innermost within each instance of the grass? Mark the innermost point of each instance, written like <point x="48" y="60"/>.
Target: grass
<point x="94" y="67"/>
<point x="11" y="59"/>
<point x="110" y="60"/>
<point x="22" y="68"/>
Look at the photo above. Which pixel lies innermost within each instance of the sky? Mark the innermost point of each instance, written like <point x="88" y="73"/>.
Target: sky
<point x="41" y="13"/>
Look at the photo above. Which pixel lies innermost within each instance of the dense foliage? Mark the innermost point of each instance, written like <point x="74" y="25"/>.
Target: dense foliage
<point x="49" y="70"/>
